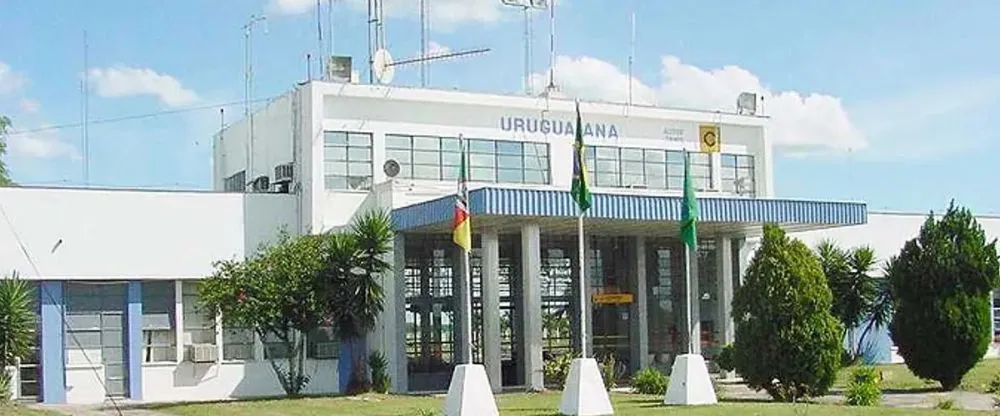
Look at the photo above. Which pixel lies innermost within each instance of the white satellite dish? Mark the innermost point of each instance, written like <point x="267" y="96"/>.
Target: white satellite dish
<point x="382" y="66"/>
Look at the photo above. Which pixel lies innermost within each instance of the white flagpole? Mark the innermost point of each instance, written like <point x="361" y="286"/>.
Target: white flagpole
<point x="581" y="256"/>
<point x="689" y="325"/>
<point x="466" y="288"/>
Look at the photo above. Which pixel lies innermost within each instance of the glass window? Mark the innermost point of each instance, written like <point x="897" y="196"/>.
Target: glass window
<point x="348" y="159"/>
<point x="321" y="344"/>
<point x="648" y="168"/>
<point x="738" y="174"/>
<point x="237" y="343"/>
<point x="439" y="158"/>
<point x="199" y="325"/>
<point x="159" y="340"/>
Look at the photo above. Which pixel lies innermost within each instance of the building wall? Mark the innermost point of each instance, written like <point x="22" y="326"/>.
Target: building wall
<point x="139" y="238"/>
<point x="272" y="144"/>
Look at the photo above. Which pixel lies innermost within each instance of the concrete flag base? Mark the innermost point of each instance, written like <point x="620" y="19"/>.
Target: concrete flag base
<point x="584" y="393"/>
<point x="469" y="393"/>
<point x="689" y="382"/>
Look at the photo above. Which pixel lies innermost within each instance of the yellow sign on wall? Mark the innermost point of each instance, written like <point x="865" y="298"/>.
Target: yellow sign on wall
<point x="710" y="138"/>
<point x="612" y="298"/>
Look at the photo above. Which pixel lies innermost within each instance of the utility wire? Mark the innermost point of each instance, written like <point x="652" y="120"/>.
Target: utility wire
<point x="136" y="116"/>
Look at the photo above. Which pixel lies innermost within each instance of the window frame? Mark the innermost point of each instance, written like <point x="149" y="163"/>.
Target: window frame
<point x="606" y="166"/>
<point x="348" y="160"/>
<point x="488" y="159"/>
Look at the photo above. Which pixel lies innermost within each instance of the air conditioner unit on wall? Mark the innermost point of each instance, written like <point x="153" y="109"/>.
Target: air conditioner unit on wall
<point x="283" y="173"/>
<point x="201" y="353"/>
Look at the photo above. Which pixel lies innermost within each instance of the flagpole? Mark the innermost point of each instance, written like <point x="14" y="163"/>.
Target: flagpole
<point x="581" y="257"/>
<point x="466" y="287"/>
<point x="688" y="324"/>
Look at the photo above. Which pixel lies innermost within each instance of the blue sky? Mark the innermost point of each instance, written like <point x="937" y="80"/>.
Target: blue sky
<point x="885" y="102"/>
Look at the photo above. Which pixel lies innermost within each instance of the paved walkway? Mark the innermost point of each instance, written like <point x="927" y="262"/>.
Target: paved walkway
<point x="97" y="410"/>
<point x="963" y="399"/>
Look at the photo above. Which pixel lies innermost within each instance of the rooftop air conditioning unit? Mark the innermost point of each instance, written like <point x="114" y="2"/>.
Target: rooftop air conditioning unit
<point x="201" y="353"/>
<point x="261" y="184"/>
<point x="283" y="173"/>
<point x="338" y="69"/>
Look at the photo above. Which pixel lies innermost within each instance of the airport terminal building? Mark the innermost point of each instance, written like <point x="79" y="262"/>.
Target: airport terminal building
<point x="116" y="277"/>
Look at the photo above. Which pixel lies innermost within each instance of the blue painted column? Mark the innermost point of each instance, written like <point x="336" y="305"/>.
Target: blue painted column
<point x="133" y="339"/>
<point x="53" y="361"/>
<point x="351" y="351"/>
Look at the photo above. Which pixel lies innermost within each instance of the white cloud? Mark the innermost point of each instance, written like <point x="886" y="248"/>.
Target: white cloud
<point x="813" y="121"/>
<point x="434" y="48"/>
<point x="446" y="12"/>
<point x="10" y="80"/>
<point x="124" y="81"/>
<point x="42" y="144"/>
<point x="29" y="105"/>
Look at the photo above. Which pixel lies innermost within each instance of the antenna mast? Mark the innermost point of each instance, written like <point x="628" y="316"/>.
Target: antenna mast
<point x="86" y="112"/>
<point x="552" y="46"/>
<point x="425" y="25"/>
<point x="319" y="38"/>
<point x="631" y="57"/>
<point x="248" y="88"/>
<point x="376" y="37"/>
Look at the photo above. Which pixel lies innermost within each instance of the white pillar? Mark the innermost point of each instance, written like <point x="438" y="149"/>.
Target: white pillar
<point x="491" y="307"/>
<point x="179" y="319"/>
<point x="693" y="293"/>
<point x="725" y="286"/>
<point x="397" y="354"/>
<point x="531" y="304"/>
<point x="640" y="311"/>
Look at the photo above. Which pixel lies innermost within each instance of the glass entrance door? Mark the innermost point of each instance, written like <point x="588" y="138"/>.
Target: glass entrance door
<point x="430" y="317"/>
<point x="612" y="283"/>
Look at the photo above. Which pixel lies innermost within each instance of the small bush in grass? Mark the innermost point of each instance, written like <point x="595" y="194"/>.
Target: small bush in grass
<point x="864" y="387"/>
<point x="381" y="381"/>
<point x="994" y="386"/>
<point x="557" y="368"/>
<point x="945" y="404"/>
<point x="649" y="381"/>
<point x="609" y="370"/>
<point x="725" y="358"/>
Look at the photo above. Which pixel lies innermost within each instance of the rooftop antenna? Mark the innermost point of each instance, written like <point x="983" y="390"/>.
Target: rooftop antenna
<point x="376" y="36"/>
<point x="552" y="45"/>
<point x="329" y="25"/>
<point x="319" y="39"/>
<point x="384" y="67"/>
<point x="425" y="26"/>
<point x="527" y="6"/>
<point x="248" y="85"/>
<point x="631" y="59"/>
<point x="86" y="112"/>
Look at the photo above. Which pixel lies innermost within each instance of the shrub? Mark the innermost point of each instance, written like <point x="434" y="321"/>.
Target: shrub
<point x="864" y="387"/>
<point x="994" y="386"/>
<point x="787" y="341"/>
<point x="557" y="368"/>
<point x="609" y="370"/>
<point x="17" y="325"/>
<point x="650" y="381"/>
<point x="725" y="358"/>
<point x="945" y="404"/>
<point x="941" y="282"/>
<point x="381" y="381"/>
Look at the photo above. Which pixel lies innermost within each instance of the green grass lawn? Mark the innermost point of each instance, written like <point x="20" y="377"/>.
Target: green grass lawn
<point x="17" y="410"/>
<point x="544" y="404"/>
<point x="898" y="377"/>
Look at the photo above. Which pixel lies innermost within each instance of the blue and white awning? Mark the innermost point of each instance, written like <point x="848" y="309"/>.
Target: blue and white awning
<point x="555" y="204"/>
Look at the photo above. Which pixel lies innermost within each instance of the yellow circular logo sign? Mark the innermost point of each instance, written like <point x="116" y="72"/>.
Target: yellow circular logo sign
<point x="709" y="139"/>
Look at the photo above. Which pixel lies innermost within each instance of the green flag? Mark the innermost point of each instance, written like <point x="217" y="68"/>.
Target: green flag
<point x="581" y="187"/>
<point x="689" y="210"/>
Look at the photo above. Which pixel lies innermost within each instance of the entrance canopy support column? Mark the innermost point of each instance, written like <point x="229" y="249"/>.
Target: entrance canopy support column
<point x="491" y="308"/>
<point x="640" y="312"/>
<point x="396" y="334"/>
<point x="531" y="270"/>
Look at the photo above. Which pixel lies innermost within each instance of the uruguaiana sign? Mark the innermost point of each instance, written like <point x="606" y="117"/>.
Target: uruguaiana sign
<point x="558" y="127"/>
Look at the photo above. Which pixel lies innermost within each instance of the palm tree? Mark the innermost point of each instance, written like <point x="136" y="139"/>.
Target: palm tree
<point x="355" y="262"/>
<point x="17" y="325"/>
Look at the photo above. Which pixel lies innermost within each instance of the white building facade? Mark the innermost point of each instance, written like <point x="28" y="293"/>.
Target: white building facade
<point x="116" y="271"/>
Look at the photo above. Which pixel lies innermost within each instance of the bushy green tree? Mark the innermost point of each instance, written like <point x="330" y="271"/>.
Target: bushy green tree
<point x="787" y="341"/>
<point x="17" y="326"/>
<point x="275" y="293"/>
<point x="5" y="124"/>
<point x="941" y="282"/>
<point x="856" y="291"/>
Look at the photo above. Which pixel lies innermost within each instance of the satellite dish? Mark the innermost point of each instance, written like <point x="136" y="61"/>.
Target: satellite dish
<point x="382" y="66"/>
<point x="391" y="168"/>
